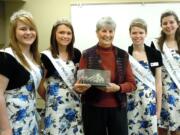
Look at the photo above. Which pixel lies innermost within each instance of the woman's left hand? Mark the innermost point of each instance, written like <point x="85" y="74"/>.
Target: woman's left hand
<point x="112" y="87"/>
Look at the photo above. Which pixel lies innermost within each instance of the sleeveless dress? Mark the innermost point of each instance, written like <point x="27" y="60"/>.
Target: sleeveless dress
<point x="170" y="113"/>
<point x="62" y="107"/>
<point x="142" y="118"/>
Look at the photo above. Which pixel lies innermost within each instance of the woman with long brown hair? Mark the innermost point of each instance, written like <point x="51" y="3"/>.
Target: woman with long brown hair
<point x="62" y="111"/>
<point x="169" y="45"/>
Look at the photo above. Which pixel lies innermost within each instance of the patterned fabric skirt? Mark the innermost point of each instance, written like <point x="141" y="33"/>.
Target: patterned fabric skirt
<point x="142" y="118"/>
<point x="170" y="113"/>
<point x="21" y="107"/>
<point x="63" y="110"/>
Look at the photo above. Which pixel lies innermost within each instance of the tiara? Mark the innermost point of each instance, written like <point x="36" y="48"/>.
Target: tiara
<point x="20" y="13"/>
<point x="62" y="20"/>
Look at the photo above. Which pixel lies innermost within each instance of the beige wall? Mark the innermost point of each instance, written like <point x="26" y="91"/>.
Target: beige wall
<point x="2" y="24"/>
<point x="46" y="12"/>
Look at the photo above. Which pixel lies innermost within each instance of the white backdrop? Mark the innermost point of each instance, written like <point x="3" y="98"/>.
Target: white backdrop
<point x="84" y="18"/>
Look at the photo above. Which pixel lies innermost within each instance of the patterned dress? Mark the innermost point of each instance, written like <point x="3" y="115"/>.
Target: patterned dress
<point x="142" y="118"/>
<point x="170" y="113"/>
<point x="21" y="107"/>
<point x="21" y="100"/>
<point x="63" y="108"/>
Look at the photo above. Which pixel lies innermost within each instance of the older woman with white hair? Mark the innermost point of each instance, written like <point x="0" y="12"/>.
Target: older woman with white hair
<point x="104" y="108"/>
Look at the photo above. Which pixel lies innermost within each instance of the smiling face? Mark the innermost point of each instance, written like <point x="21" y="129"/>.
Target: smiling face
<point x="137" y="35"/>
<point x="105" y="30"/>
<point x="169" y="25"/>
<point x="105" y="36"/>
<point x="63" y="35"/>
<point x="25" y="34"/>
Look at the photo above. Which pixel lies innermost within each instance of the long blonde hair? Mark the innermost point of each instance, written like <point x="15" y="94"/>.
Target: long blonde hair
<point x="26" y="18"/>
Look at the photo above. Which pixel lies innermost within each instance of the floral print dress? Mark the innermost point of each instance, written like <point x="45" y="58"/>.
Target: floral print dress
<point x="21" y="108"/>
<point x="63" y="108"/>
<point x="20" y="96"/>
<point x="142" y="118"/>
<point x="170" y="113"/>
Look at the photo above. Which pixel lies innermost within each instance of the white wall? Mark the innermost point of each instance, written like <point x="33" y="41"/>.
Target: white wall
<point x="84" y="18"/>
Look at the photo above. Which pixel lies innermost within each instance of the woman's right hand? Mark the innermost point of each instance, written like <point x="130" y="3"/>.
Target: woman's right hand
<point x="80" y="87"/>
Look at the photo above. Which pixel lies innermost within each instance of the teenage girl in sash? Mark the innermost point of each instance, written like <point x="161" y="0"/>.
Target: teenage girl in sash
<point x="144" y="104"/>
<point x="62" y="109"/>
<point x="20" y="75"/>
<point x="169" y="45"/>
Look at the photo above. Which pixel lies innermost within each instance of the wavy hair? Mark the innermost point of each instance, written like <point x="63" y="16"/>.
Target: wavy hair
<point x="106" y="21"/>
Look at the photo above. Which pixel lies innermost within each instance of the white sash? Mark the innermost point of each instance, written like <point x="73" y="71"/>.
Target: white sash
<point x="35" y="70"/>
<point x="8" y="50"/>
<point x="141" y="73"/>
<point x="171" y="65"/>
<point x="66" y="74"/>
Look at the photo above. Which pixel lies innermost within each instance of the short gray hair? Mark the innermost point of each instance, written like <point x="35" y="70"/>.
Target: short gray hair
<point x="106" y="22"/>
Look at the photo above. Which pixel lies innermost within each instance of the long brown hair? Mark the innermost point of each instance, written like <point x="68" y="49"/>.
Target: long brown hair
<point x="14" y="43"/>
<point x="53" y="42"/>
<point x="162" y="38"/>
